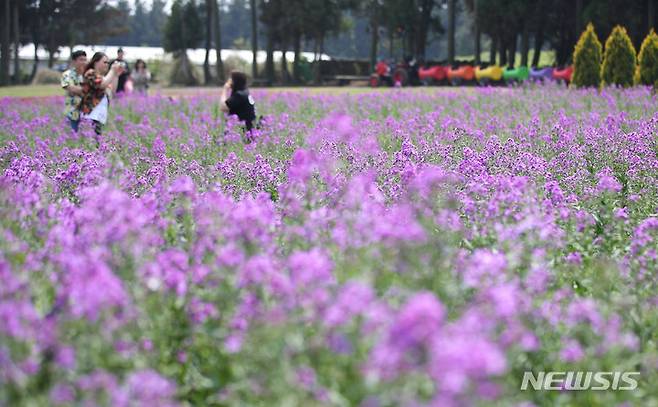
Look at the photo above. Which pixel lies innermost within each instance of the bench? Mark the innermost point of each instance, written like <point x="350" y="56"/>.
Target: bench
<point x="259" y="82"/>
<point x="345" y="79"/>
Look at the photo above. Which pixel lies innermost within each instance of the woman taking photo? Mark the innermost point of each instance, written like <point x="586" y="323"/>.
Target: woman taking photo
<point x="97" y="87"/>
<point x="140" y="77"/>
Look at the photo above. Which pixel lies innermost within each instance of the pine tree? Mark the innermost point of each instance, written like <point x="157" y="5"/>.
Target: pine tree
<point x="587" y="59"/>
<point x="647" y="69"/>
<point x="619" y="59"/>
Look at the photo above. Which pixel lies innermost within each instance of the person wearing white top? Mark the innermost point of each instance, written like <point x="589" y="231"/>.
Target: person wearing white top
<point x="98" y="83"/>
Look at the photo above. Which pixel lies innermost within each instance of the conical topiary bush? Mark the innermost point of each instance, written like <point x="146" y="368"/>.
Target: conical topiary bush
<point x="619" y="59"/>
<point x="587" y="59"/>
<point x="647" y="68"/>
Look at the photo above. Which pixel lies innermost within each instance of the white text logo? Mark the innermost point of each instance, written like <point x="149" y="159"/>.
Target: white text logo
<point x="580" y="380"/>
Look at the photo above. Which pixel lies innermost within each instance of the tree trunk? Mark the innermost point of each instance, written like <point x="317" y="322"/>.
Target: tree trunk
<point x="512" y="51"/>
<point x="451" y="32"/>
<point x="254" y="39"/>
<point x="318" y="72"/>
<point x="17" y="44"/>
<point x="651" y="14"/>
<point x="4" y="45"/>
<point x="493" y="49"/>
<point x="207" y="77"/>
<point x="35" y="65"/>
<point x="374" y="38"/>
<point x="34" y="31"/>
<point x="297" y="48"/>
<point x="51" y="59"/>
<point x="564" y="48"/>
<point x="188" y="78"/>
<point x="476" y="24"/>
<point x="539" y="42"/>
<point x="502" y="51"/>
<point x="425" y="19"/>
<point x="184" y="75"/>
<point x="525" y="43"/>
<point x="219" y="65"/>
<point x="390" y="44"/>
<point x="269" y="63"/>
<point x="579" y="16"/>
<point x="285" y="75"/>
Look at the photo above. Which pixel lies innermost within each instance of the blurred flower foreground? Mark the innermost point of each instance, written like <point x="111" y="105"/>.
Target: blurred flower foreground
<point x="411" y="248"/>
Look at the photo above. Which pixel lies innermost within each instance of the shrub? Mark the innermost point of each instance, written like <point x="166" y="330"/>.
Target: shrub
<point x="47" y="77"/>
<point x="587" y="59"/>
<point x="647" y="68"/>
<point x="183" y="72"/>
<point x="619" y="59"/>
<point x="236" y="63"/>
<point x="157" y="68"/>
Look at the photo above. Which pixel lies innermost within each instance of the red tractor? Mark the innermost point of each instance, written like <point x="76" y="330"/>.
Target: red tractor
<point x="401" y="74"/>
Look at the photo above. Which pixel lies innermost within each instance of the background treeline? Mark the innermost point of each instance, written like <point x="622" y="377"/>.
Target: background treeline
<point x="438" y="30"/>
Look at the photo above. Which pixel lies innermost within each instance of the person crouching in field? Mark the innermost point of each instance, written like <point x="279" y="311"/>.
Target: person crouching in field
<point x="72" y="83"/>
<point x="240" y="102"/>
<point x="97" y="86"/>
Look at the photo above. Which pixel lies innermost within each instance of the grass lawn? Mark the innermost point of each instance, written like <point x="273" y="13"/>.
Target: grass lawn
<point x="28" y="91"/>
<point x="31" y="91"/>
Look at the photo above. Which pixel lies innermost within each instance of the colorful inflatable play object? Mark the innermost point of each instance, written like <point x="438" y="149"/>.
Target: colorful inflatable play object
<point x="489" y="74"/>
<point x="461" y="74"/>
<point x="432" y="74"/>
<point x="541" y="74"/>
<point x="563" y="75"/>
<point x="519" y="74"/>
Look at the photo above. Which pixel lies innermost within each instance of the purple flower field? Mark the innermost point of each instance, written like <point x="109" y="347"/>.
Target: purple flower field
<point x="406" y="248"/>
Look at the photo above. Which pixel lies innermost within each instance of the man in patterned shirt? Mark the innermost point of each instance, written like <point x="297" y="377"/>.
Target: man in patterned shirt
<point x="71" y="82"/>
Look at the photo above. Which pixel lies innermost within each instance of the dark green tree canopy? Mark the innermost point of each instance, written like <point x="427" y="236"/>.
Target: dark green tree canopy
<point x="184" y="27"/>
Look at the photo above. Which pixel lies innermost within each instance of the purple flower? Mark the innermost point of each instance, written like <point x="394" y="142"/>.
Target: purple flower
<point x="621" y="213"/>
<point x="353" y="299"/>
<point x="183" y="185"/>
<point x="302" y="166"/>
<point x="505" y="298"/>
<point x="607" y="182"/>
<point x="62" y="394"/>
<point x="574" y="258"/>
<point x="145" y="388"/>
<point x="169" y="270"/>
<point x="201" y="311"/>
<point x="417" y="321"/>
<point x="65" y="357"/>
<point x="571" y="351"/>
<point x="310" y="268"/>
<point x="484" y="266"/>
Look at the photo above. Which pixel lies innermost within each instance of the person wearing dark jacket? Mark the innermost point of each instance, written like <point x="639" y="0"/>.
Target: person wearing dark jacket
<point x="121" y="85"/>
<point x="240" y="103"/>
